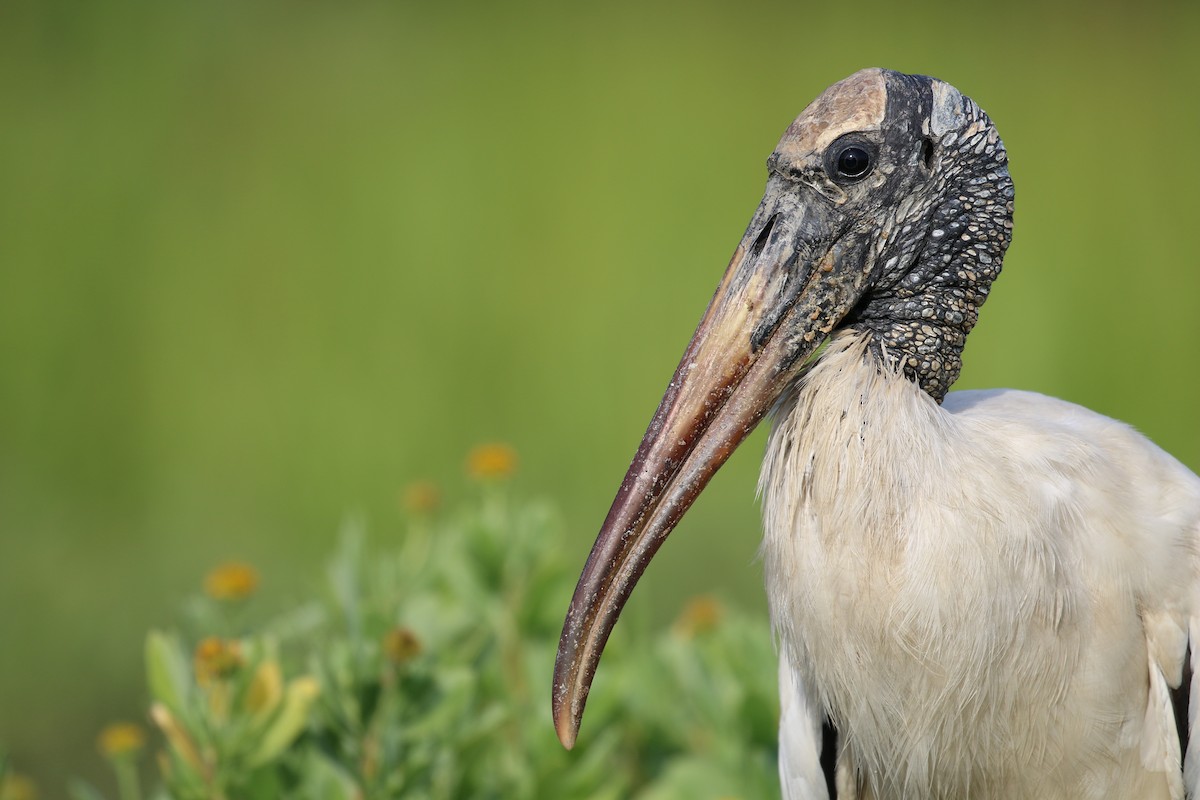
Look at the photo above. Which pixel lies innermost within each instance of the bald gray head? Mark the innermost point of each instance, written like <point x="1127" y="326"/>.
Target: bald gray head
<point x="917" y="172"/>
<point x="888" y="209"/>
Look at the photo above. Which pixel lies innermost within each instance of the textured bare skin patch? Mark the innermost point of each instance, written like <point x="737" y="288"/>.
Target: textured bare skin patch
<point x="947" y="108"/>
<point x="857" y="103"/>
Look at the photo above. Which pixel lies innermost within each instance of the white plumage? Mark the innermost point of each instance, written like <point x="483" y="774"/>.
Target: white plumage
<point x="992" y="594"/>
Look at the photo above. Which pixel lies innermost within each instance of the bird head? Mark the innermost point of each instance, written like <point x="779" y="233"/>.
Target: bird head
<point x="888" y="207"/>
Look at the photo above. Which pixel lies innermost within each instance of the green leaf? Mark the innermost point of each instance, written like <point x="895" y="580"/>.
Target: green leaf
<point x="322" y="779"/>
<point x="167" y="671"/>
<point x="292" y="719"/>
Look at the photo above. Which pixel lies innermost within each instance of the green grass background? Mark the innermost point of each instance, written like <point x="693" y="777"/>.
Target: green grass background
<point x="264" y="262"/>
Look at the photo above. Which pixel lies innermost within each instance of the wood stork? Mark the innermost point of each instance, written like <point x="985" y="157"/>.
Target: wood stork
<point x="977" y="595"/>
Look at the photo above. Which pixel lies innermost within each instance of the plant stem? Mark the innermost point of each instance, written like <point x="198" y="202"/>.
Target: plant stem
<point x="128" y="787"/>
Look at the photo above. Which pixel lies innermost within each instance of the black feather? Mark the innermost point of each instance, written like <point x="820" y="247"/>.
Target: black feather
<point x="829" y="748"/>
<point x="1179" y="702"/>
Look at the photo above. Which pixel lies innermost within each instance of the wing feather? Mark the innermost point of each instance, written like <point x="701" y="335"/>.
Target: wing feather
<point x="806" y="740"/>
<point x="1190" y="690"/>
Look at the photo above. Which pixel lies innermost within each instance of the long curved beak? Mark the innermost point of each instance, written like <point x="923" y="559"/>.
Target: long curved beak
<point x="794" y="276"/>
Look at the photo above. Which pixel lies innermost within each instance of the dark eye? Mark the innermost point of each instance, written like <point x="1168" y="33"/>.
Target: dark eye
<point x="853" y="162"/>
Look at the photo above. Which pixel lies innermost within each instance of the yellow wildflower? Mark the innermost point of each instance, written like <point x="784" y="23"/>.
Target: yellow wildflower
<point x="216" y="659"/>
<point x="492" y="461"/>
<point x="233" y="580"/>
<point x="421" y="497"/>
<point x="700" y="615"/>
<point x="401" y="645"/>
<point x="15" y="786"/>
<point x="121" y="740"/>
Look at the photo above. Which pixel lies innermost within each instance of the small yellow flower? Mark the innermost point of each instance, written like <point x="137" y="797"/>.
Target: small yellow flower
<point x="700" y="615"/>
<point x="17" y="787"/>
<point x="401" y="645"/>
<point x="121" y="740"/>
<point x="233" y="580"/>
<point x="421" y="497"/>
<point x="492" y="461"/>
<point x="216" y="659"/>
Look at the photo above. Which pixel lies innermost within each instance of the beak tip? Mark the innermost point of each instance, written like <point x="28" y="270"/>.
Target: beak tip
<point x="567" y="729"/>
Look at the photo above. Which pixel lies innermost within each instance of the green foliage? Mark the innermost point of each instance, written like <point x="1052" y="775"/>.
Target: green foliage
<point x="423" y="671"/>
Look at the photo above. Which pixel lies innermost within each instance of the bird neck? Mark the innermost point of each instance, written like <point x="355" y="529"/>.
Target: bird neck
<point x="930" y="290"/>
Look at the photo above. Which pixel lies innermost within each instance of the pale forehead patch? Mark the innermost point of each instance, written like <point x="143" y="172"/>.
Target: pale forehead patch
<point x="947" y="114"/>
<point x="857" y="103"/>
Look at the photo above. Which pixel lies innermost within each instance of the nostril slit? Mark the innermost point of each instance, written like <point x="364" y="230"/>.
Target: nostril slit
<point x="927" y="154"/>
<point x="760" y="243"/>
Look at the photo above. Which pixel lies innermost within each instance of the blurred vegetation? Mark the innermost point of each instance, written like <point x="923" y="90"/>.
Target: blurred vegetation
<point x="423" y="671"/>
<point x="264" y="262"/>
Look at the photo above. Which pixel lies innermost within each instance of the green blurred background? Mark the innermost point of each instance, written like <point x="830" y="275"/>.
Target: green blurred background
<point x="262" y="263"/>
